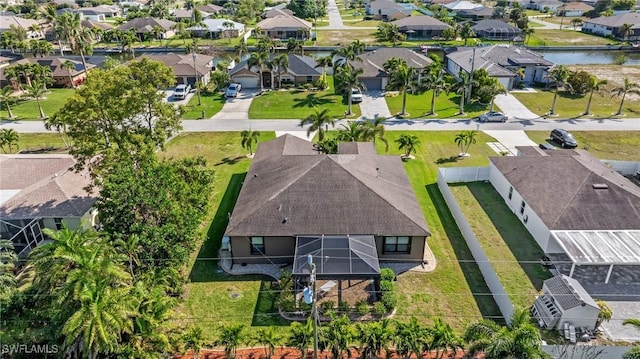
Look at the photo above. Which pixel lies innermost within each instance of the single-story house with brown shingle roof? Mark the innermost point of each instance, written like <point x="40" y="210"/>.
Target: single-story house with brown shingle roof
<point x="374" y="76"/>
<point x="611" y="25"/>
<point x="275" y="12"/>
<point x="496" y="30"/>
<point x="575" y="8"/>
<point x="182" y="66"/>
<point x="292" y="192"/>
<point x="421" y="27"/>
<point x="502" y="62"/>
<point x="145" y="25"/>
<point x="211" y="9"/>
<point x="7" y="21"/>
<point x="40" y="191"/>
<point x="284" y="27"/>
<point x="301" y="69"/>
<point x="479" y="13"/>
<point x="61" y="76"/>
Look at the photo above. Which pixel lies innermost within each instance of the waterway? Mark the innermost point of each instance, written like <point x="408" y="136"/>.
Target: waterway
<point x="590" y="57"/>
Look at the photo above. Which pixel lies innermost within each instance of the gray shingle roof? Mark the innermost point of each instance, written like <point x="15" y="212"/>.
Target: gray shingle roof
<point x="494" y="25"/>
<point x="568" y="293"/>
<point x="559" y="189"/>
<point x="298" y="66"/>
<point x="182" y="64"/>
<point x="45" y="187"/>
<point x="496" y="58"/>
<point x="423" y="22"/>
<point x="632" y="18"/>
<point x="373" y="61"/>
<point x="324" y="194"/>
<point x="143" y="23"/>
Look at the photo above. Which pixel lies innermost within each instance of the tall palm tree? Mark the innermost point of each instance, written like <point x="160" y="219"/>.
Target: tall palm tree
<point x="282" y="63"/>
<point x="576" y="22"/>
<point x="249" y="138"/>
<point x="70" y="30"/>
<point x="12" y="74"/>
<point x="301" y="336"/>
<point x="9" y="138"/>
<point x="349" y="53"/>
<point x="269" y="338"/>
<point x="70" y="66"/>
<point x="461" y="87"/>
<point x="348" y="78"/>
<point x="408" y="143"/>
<point x="318" y="121"/>
<point x="6" y="97"/>
<point x="461" y="140"/>
<point x="260" y="60"/>
<point x="559" y="75"/>
<point x="228" y="26"/>
<point x="527" y="32"/>
<point x="324" y="62"/>
<point x="401" y="78"/>
<point x="464" y="140"/>
<point x="295" y="46"/>
<point x="374" y="129"/>
<point x="37" y="90"/>
<point x="622" y="91"/>
<point x="230" y="337"/>
<point x="594" y="84"/>
<point x="374" y="338"/>
<point x="436" y="83"/>
<point x="241" y="49"/>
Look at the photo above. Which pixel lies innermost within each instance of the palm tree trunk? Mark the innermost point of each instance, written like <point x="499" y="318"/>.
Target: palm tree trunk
<point x="462" y="103"/>
<point x="588" y="111"/>
<point x="84" y="64"/>
<point x="42" y="116"/>
<point x="433" y="103"/>
<point x="552" y="111"/>
<point x="261" y="84"/>
<point x="349" y="103"/>
<point x="9" y="109"/>
<point x="404" y="102"/>
<point x="621" y="103"/>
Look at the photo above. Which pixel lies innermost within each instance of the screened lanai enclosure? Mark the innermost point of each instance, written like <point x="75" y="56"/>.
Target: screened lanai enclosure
<point x="339" y="260"/>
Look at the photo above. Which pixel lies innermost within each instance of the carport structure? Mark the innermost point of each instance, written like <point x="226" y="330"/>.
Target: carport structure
<point x="616" y="250"/>
<point x="337" y="257"/>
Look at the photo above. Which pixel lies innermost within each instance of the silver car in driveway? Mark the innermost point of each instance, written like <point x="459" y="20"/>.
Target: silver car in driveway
<point x="493" y="117"/>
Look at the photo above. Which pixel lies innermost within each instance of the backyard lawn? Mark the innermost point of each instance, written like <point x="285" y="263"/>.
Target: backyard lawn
<point x="513" y="253"/>
<point x="28" y="109"/>
<point x="566" y="38"/>
<point x="40" y="143"/>
<point x="573" y="106"/>
<point x="298" y="104"/>
<point x="211" y="104"/>
<point x="363" y="23"/>
<point x="447" y="106"/>
<point x="610" y="145"/>
<point x="340" y="37"/>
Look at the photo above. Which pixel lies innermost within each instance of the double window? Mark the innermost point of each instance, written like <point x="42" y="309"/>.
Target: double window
<point x="510" y="192"/>
<point x="522" y="207"/>
<point x="58" y="223"/>
<point x="257" y="245"/>
<point x="397" y="245"/>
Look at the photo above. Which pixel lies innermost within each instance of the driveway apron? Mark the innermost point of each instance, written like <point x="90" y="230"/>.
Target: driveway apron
<point x="373" y="104"/>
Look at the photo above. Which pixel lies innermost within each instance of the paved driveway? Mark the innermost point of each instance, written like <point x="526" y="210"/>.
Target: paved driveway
<point x="373" y="104"/>
<point x="513" y="108"/>
<point x="621" y="311"/>
<point x="511" y="139"/>
<point x="237" y="108"/>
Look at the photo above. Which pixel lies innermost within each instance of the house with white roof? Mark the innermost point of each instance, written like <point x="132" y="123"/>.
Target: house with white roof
<point x="218" y="29"/>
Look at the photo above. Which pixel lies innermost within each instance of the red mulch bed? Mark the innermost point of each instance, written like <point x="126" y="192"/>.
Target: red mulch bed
<point x="290" y="353"/>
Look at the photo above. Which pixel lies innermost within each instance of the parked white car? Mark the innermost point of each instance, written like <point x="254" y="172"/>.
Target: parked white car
<point x="356" y="95"/>
<point x="181" y="91"/>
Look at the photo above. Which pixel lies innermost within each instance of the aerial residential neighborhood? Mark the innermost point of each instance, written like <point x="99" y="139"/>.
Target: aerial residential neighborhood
<point x="320" y="179"/>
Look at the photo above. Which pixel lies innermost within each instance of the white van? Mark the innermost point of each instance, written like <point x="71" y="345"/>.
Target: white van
<point x="181" y="92"/>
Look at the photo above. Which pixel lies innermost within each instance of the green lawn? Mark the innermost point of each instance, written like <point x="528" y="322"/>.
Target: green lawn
<point x="566" y="38"/>
<point x="512" y="251"/>
<point x="298" y="104"/>
<point x="447" y="106"/>
<point x="363" y="23"/>
<point x="41" y="143"/>
<point x="611" y="145"/>
<point x="28" y="109"/>
<point x="573" y="106"/>
<point x="211" y="104"/>
<point x="342" y="37"/>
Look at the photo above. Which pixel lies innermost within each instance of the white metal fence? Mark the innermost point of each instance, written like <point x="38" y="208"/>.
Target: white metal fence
<point x="626" y="168"/>
<point x="464" y="174"/>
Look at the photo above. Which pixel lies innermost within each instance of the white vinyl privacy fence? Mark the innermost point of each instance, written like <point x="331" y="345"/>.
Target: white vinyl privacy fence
<point x="472" y="174"/>
<point x="626" y="168"/>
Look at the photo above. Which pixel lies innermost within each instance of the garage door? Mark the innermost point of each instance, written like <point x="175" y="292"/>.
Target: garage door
<point x="372" y="84"/>
<point x="248" y="82"/>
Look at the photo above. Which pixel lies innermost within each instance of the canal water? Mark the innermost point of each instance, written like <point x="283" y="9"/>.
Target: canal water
<point x="590" y="57"/>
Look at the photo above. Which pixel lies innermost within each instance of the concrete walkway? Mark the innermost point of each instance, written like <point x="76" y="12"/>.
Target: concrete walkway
<point x="513" y="108"/>
<point x="373" y="104"/>
<point x="509" y="139"/>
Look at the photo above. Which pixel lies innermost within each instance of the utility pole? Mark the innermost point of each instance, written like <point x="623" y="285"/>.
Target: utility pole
<point x="310" y="297"/>
<point x="195" y="69"/>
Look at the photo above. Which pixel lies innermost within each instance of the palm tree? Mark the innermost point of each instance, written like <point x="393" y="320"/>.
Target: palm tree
<point x="466" y="32"/>
<point x="492" y="89"/>
<point x="353" y="131"/>
<point x="6" y="97"/>
<point x="230" y="338"/>
<point x="622" y="91"/>
<point x="228" y="25"/>
<point x="409" y="338"/>
<point x="576" y="22"/>
<point x="408" y="143"/>
<point x="461" y="87"/>
<point x="259" y="60"/>
<point x="632" y="322"/>
<point x="443" y="337"/>
<point x="12" y="74"/>
<point x="605" y="313"/>
<point x="435" y="82"/>
<point x="10" y="138"/>
<point x="348" y="78"/>
<point x="37" y="91"/>
<point x="70" y="30"/>
<point x="8" y="260"/>
<point x="401" y="78"/>
<point x="282" y="63"/>
<point x="241" y="49"/>
<point x="625" y="31"/>
<point x="593" y="84"/>
<point x="301" y="336"/>
<point x="266" y="44"/>
<point x="374" y="338"/>
<point x="464" y="140"/>
<point x="318" y="121"/>
<point x="249" y="138"/>
<point x="522" y="340"/>
<point x="559" y="75"/>
<point x="324" y="62"/>
<point x="349" y="53"/>
<point x="69" y="66"/>
<point x="295" y="46"/>
<point x="193" y="340"/>
<point x="337" y="335"/>
<point x="374" y="129"/>
<point x="527" y="32"/>
<point x="269" y="338"/>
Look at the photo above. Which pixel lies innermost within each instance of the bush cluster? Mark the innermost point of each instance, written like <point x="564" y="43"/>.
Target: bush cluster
<point x="388" y="292"/>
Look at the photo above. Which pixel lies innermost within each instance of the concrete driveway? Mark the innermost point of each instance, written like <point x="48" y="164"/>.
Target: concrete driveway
<point x="509" y="139"/>
<point x="513" y="108"/>
<point x="373" y="104"/>
<point x="237" y="108"/>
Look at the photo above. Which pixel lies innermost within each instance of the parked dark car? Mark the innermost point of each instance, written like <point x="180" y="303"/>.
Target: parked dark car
<point x="563" y="137"/>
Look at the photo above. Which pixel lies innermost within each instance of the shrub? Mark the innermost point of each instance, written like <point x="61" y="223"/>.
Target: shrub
<point x="368" y="17"/>
<point x="327" y="306"/>
<point x="379" y="308"/>
<point x="362" y="307"/>
<point x="386" y="286"/>
<point x="389" y="300"/>
<point x="344" y="307"/>
<point x="287" y="302"/>
<point x="321" y="84"/>
<point x="387" y="274"/>
<point x="305" y="307"/>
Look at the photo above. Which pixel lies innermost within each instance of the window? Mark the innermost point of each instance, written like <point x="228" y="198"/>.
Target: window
<point x="309" y="79"/>
<point x="522" y="207"/>
<point x="257" y="245"/>
<point x="58" y="223"/>
<point x="510" y="192"/>
<point x="397" y="245"/>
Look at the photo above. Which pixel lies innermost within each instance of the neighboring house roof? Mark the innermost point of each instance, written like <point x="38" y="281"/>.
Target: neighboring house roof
<point x="577" y="6"/>
<point x="101" y="9"/>
<point x="275" y="12"/>
<point x="7" y="21"/>
<point x="461" y="5"/>
<point x="210" y="8"/>
<point x="550" y="3"/>
<point x="182" y="64"/>
<point x="291" y="190"/>
<point x="442" y="2"/>
<point x="298" y="66"/>
<point x="72" y="3"/>
<point x="568" y="293"/>
<point x="99" y="25"/>
<point x="146" y="24"/>
<point x="422" y="22"/>
<point x="90" y="11"/>
<point x="373" y="61"/>
<point x="632" y="18"/>
<point x="387" y="7"/>
<point x="495" y="59"/>
<point x="282" y="21"/>
<point x="491" y="25"/>
<point x="182" y="14"/>
<point x="214" y="25"/>
<point x="480" y="11"/>
<point x="562" y="191"/>
<point x="34" y="186"/>
<point x="56" y="64"/>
